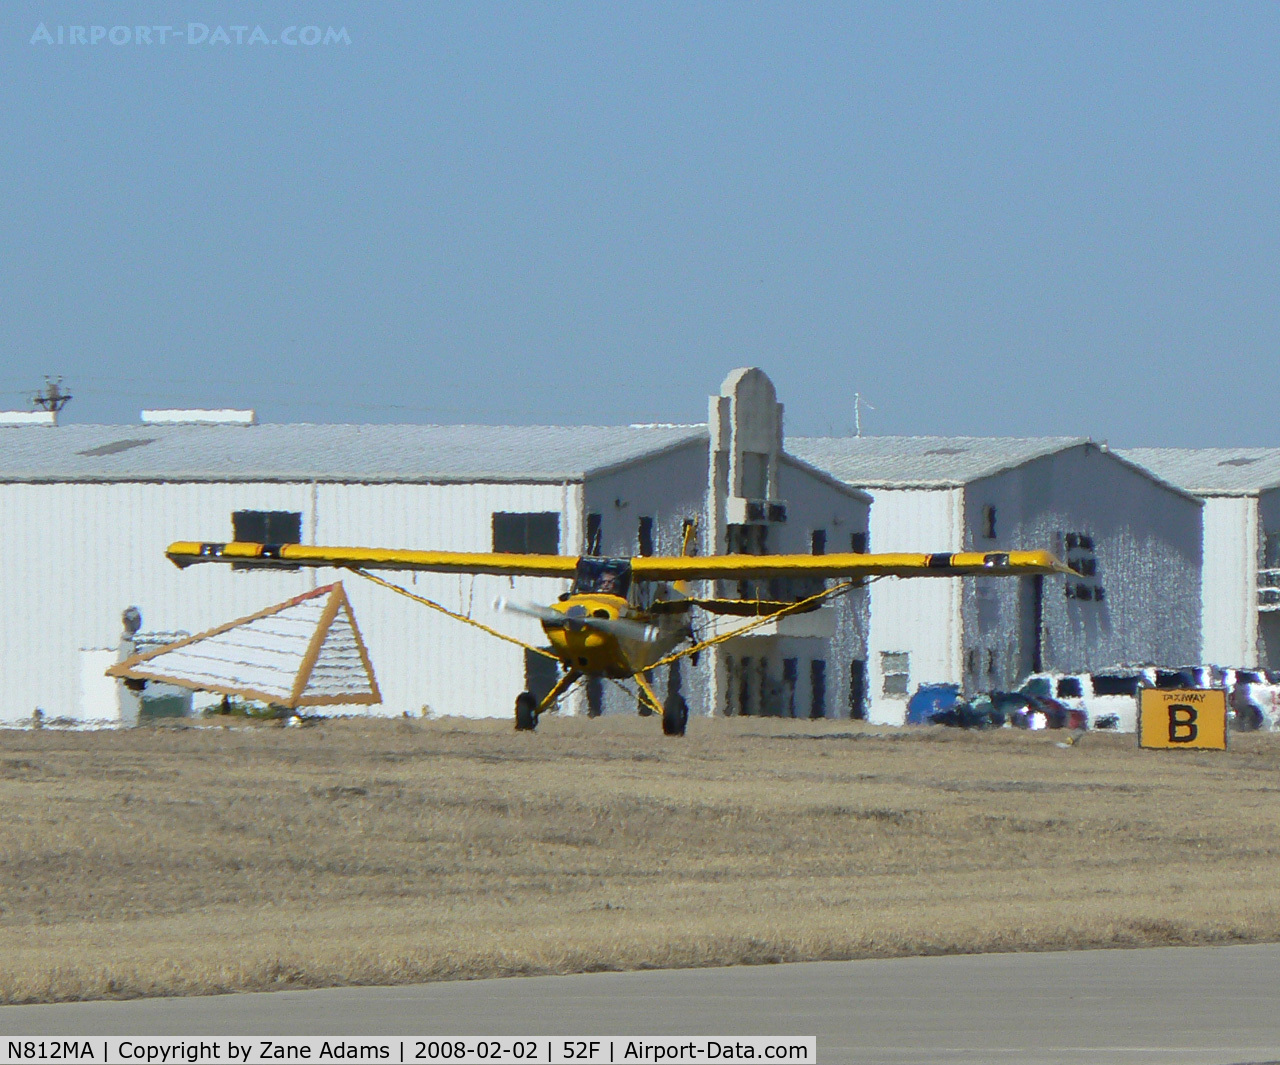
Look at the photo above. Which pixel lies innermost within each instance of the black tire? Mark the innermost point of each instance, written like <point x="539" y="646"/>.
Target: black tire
<point x="675" y="716"/>
<point x="526" y="712"/>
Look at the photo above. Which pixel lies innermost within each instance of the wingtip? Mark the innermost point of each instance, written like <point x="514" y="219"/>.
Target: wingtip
<point x="180" y="554"/>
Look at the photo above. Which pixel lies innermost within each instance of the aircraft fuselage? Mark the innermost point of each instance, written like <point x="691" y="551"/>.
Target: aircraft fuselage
<point x="595" y="653"/>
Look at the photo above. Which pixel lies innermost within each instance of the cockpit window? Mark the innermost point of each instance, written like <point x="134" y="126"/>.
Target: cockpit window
<point x="603" y="576"/>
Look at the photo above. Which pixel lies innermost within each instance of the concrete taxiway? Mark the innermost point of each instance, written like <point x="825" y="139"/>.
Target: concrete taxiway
<point x="1197" y="1005"/>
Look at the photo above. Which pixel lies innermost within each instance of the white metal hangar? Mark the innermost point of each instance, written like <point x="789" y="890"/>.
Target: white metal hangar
<point x="86" y="512"/>
<point x="1241" y="589"/>
<point x="1134" y="539"/>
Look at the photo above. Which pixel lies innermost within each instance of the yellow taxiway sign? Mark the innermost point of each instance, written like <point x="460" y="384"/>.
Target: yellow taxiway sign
<point x="1195" y="719"/>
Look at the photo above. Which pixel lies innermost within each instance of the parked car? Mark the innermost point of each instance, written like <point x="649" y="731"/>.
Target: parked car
<point x="931" y="699"/>
<point x="1253" y="699"/>
<point x="1110" y="697"/>
<point x="1105" y="700"/>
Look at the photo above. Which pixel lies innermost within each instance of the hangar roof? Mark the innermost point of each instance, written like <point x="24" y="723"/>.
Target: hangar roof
<point x="343" y="453"/>
<point x="1212" y="471"/>
<point x="922" y="461"/>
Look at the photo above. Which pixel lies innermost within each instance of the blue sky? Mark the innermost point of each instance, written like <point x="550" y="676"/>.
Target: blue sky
<point x="1009" y="219"/>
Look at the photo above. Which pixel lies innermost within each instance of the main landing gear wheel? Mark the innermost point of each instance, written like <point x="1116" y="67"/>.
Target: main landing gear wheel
<point x="675" y="716"/>
<point x="526" y="712"/>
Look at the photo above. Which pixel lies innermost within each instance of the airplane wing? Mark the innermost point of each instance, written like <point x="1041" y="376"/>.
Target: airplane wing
<point x="278" y="556"/>
<point x="758" y="567"/>
<point x="682" y="568"/>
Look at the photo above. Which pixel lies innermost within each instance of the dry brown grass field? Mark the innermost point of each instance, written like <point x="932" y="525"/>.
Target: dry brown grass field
<point x="193" y="860"/>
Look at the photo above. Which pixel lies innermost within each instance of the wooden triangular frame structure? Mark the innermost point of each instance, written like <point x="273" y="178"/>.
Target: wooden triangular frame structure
<point x="149" y="665"/>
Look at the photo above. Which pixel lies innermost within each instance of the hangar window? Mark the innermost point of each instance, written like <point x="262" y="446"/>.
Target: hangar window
<point x="988" y="522"/>
<point x="527" y="534"/>
<point x="266" y="527"/>
<point x="1078" y="554"/>
<point x="644" y="537"/>
<point x="790" y="677"/>
<point x="859" y="542"/>
<point x="858" y="689"/>
<point x="896" y="669"/>
<point x="818" y="688"/>
<point x="594" y="534"/>
<point x="748" y="539"/>
<point x="818" y="541"/>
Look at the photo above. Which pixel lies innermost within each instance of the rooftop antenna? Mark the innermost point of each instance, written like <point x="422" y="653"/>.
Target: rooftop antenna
<point x="51" y="398"/>
<point x="858" y="404"/>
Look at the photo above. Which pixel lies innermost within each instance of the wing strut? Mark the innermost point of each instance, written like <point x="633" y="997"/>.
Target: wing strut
<point x="799" y="606"/>
<point x="452" y="613"/>
<point x="559" y="690"/>
<point x="652" y="696"/>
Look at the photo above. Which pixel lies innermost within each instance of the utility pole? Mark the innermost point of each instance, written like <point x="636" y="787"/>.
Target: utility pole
<point x="51" y="398"/>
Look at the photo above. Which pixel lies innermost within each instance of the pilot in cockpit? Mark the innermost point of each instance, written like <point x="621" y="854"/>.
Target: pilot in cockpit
<point x="603" y="577"/>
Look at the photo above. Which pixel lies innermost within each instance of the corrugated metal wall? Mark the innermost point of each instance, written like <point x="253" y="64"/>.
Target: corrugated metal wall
<point x="668" y="489"/>
<point x="1229" y="592"/>
<point x="424" y="659"/>
<point x="814" y="504"/>
<point x="921" y="616"/>
<point x="1268" y="621"/>
<point x="1147" y="547"/>
<point x="72" y="556"/>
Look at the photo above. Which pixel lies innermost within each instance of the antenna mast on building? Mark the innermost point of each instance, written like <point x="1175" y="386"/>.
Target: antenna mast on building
<point x="858" y="404"/>
<point x="51" y="398"/>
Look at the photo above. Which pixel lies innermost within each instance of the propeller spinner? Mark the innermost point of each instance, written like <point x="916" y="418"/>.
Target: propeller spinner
<point x="577" y="616"/>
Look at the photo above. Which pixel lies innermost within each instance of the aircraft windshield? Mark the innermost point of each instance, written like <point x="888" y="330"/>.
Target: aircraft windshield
<point x="603" y="576"/>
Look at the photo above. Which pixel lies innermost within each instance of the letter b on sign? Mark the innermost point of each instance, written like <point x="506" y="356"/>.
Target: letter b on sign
<point x="1185" y="719"/>
<point x="1182" y="723"/>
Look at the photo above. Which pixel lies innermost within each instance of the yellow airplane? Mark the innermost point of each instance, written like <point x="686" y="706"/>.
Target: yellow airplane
<point x="605" y="625"/>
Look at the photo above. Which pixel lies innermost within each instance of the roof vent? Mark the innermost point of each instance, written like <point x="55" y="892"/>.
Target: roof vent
<point x="1241" y="461"/>
<point x="28" y="417"/>
<point x="947" y="451"/>
<point x="199" y="417"/>
<point x="115" y="447"/>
